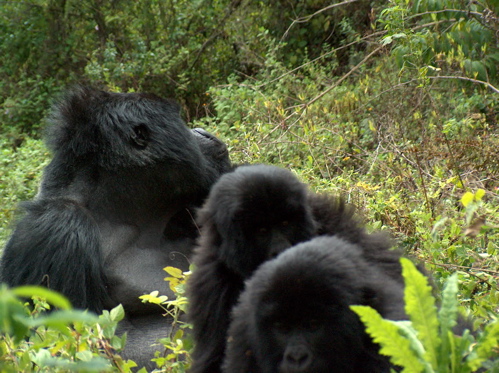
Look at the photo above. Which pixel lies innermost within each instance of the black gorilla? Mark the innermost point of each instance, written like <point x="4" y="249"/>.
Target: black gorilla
<point x="251" y="215"/>
<point x="294" y="315"/>
<point x="114" y="205"/>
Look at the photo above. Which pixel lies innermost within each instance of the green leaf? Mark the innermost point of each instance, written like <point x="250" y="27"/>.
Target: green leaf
<point x="420" y="306"/>
<point x="52" y="297"/>
<point x="386" y="334"/>
<point x="386" y="40"/>
<point x="485" y="346"/>
<point x="60" y="320"/>
<point x="447" y="316"/>
<point x="84" y="355"/>
<point x="449" y="309"/>
<point x="13" y="317"/>
<point x="154" y="298"/>
<point x="117" y="313"/>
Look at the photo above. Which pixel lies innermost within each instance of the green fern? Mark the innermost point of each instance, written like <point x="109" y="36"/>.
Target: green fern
<point x="393" y="343"/>
<point x="427" y="343"/>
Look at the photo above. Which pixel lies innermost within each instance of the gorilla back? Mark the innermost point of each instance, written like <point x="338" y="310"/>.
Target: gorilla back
<point x="113" y="206"/>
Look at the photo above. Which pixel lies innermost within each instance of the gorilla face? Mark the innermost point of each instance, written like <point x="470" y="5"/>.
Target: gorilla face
<point x="295" y="317"/>
<point x="307" y="329"/>
<point x="258" y="211"/>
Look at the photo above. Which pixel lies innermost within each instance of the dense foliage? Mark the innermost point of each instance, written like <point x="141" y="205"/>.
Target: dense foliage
<point x="395" y="105"/>
<point x="426" y="342"/>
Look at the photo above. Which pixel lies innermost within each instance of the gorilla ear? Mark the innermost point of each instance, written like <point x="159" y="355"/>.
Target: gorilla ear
<point x="206" y="220"/>
<point x="140" y="136"/>
<point x="74" y="127"/>
<point x="375" y="297"/>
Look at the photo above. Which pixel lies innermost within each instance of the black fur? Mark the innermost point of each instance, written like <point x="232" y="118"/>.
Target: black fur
<point x="294" y="315"/>
<point x="239" y="205"/>
<point x="336" y="217"/>
<point x="113" y="206"/>
<point x="251" y="215"/>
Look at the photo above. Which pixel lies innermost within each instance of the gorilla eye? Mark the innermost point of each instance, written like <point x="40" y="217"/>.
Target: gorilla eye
<point x="285" y="223"/>
<point x="313" y="324"/>
<point x="280" y="326"/>
<point x="262" y="230"/>
<point x="140" y="136"/>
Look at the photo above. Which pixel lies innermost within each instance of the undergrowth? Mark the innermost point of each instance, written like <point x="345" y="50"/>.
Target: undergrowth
<point x="406" y="128"/>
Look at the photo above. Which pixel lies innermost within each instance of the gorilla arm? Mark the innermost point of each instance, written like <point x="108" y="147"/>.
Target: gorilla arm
<point x="57" y="244"/>
<point x="214" y="289"/>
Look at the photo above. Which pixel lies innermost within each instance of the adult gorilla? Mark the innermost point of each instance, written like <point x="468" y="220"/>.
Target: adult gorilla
<point x="114" y="206"/>
<point x="295" y="316"/>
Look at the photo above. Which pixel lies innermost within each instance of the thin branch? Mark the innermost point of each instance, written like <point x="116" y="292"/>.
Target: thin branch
<point x="487" y="84"/>
<point x="355" y="68"/>
<point x="444" y="11"/>
<point x="375" y="34"/>
<point x="444" y="265"/>
<point x="318" y="97"/>
<point x="307" y="18"/>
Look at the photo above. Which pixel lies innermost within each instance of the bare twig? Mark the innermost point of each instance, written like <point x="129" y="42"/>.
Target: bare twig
<point x="307" y="18"/>
<point x="375" y="34"/>
<point x="465" y="268"/>
<point x="337" y="83"/>
<point x="444" y="11"/>
<point x="487" y="84"/>
<point x="318" y="97"/>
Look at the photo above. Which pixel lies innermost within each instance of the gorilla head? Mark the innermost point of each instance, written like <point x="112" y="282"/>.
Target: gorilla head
<point x="254" y="213"/>
<point x="112" y="132"/>
<point x="251" y="215"/>
<point x="294" y="315"/>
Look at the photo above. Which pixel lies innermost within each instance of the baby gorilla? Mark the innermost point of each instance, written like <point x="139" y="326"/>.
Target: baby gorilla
<point x="294" y="315"/>
<point x="251" y="215"/>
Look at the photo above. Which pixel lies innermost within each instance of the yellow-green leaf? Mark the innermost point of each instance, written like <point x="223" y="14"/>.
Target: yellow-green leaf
<point x="175" y="272"/>
<point x="420" y="306"/>
<point x="386" y="334"/>
<point x="467" y="198"/>
<point x="479" y="194"/>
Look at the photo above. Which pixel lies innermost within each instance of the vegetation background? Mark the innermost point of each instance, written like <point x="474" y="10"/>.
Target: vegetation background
<point x="394" y="104"/>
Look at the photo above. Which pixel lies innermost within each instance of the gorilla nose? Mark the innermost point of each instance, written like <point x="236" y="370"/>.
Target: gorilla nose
<point x="297" y="358"/>
<point x="278" y="244"/>
<point x="210" y="140"/>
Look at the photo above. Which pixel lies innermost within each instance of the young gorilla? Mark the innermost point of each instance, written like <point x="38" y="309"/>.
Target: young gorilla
<point x="294" y="315"/>
<point x="112" y="210"/>
<point x="250" y="216"/>
<point x="334" y="216"/>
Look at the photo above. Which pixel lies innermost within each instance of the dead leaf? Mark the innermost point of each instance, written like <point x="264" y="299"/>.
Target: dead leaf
<point x="475" y="227"/>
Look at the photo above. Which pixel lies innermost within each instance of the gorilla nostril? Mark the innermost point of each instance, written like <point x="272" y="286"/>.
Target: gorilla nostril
<point x="273" y="252"/>
<point x="297" y="357"/>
